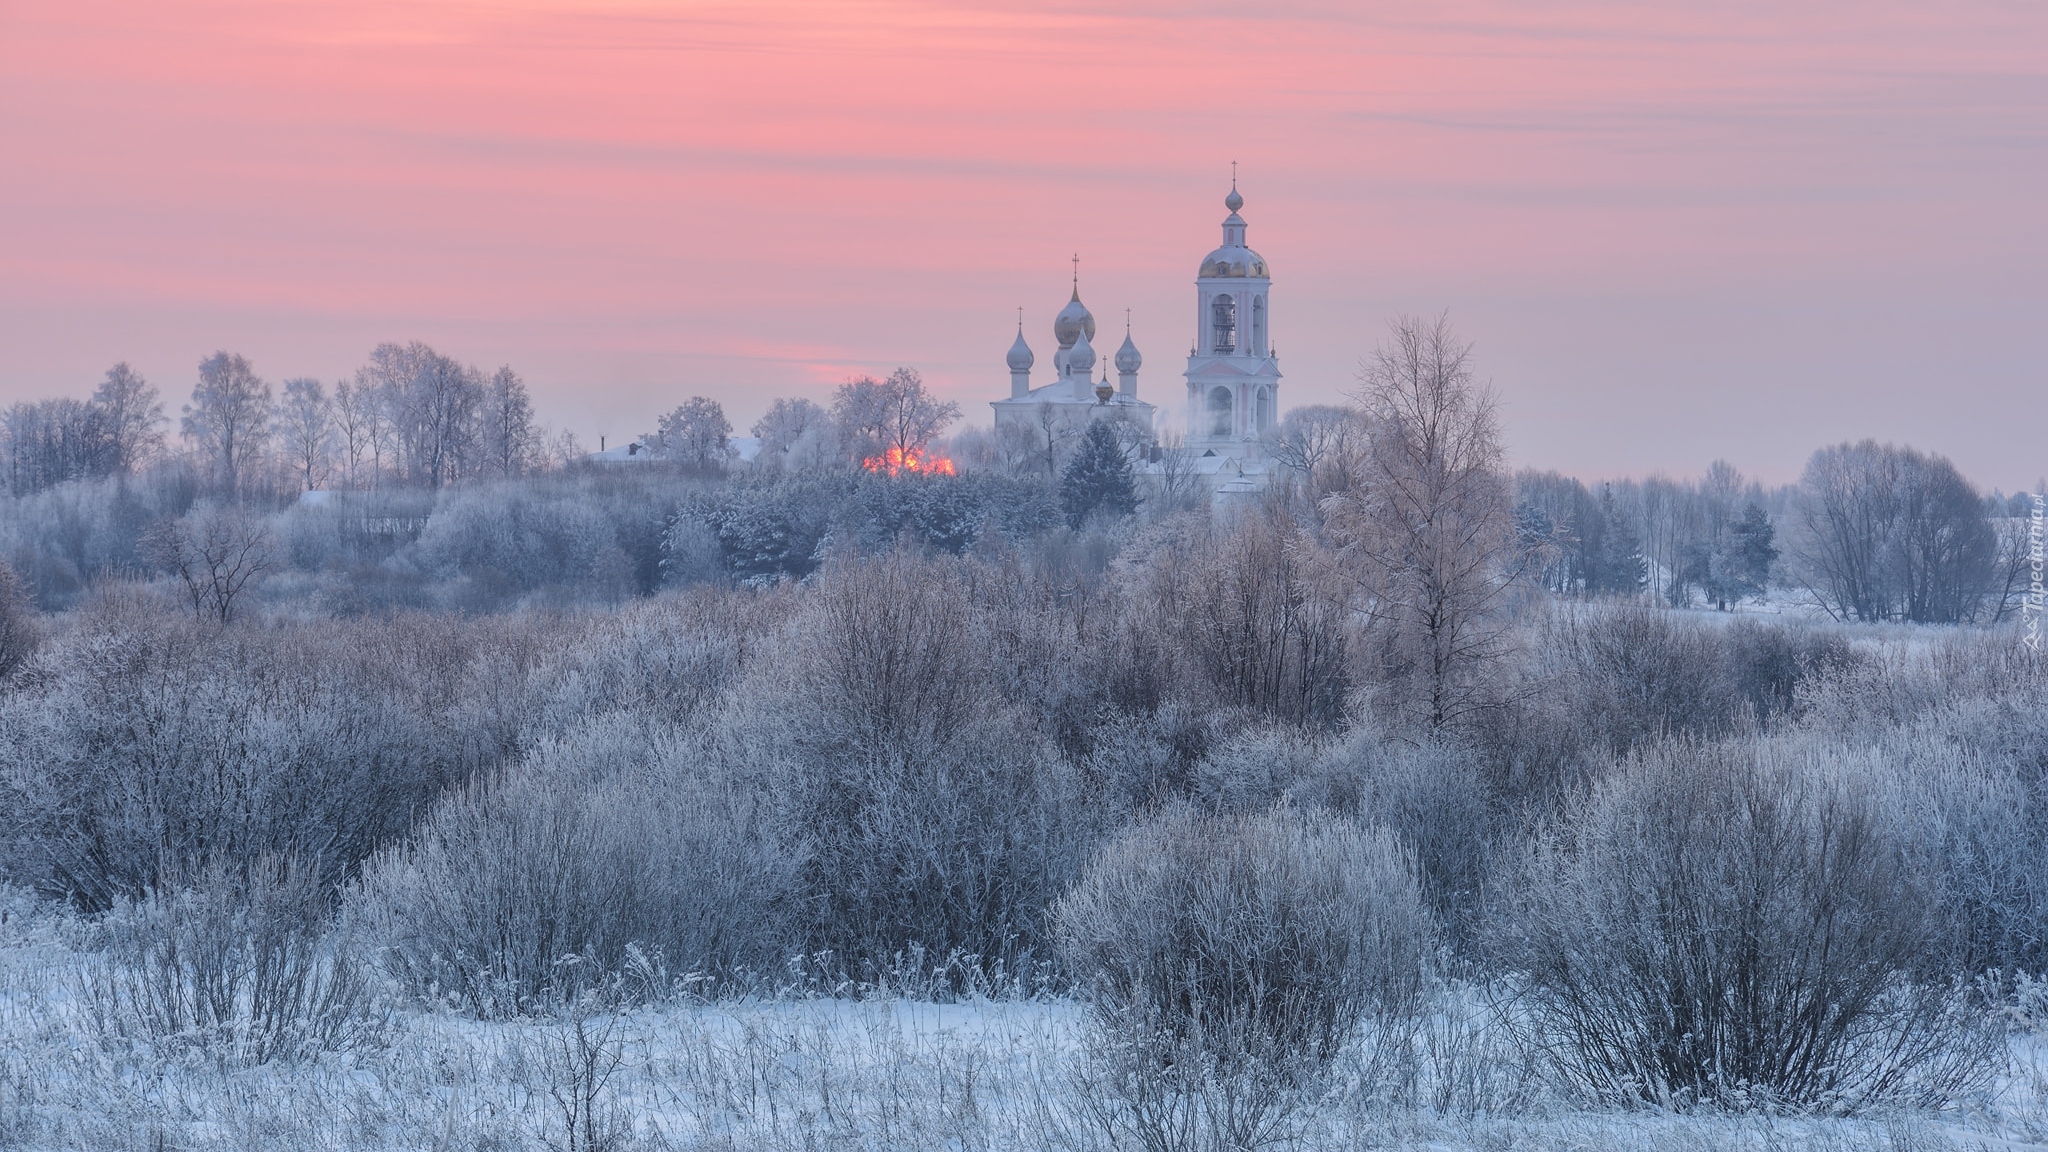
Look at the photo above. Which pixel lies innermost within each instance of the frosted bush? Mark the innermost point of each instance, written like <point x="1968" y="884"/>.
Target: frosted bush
<point x="1229" y="959"/>
<point x="1738" y="925"/>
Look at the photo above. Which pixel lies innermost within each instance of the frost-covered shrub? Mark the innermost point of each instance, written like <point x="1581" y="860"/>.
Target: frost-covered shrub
<point x="1249" y="612"/>
<point x="239" y="962"/>
<point x="19" y="634"/>
<point x="614" y="854"/>
<point x="1740" y="924"/>
<point x="1973" y="780"/>
<point x="673" y="658"/>
<point x="1434" y="800"/>
<point x="1245" y="945"/>
<point x="1775" y="664"/>
<point x="64" y="538"/>
<point x="155" y="740"/>
<point x="510" y="539"/>
<point x="1634" y="675"/>
<point x="929" y="808"/>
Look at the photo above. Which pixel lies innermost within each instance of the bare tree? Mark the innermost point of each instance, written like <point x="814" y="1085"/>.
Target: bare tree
<point x="443" y="404"/>
<point x="509" y="444"/>
<point x="228" y="417"/>
<point x="51" y="441"/>
<point x="217" y="552"/>
<point x="1175" y="483"/>
<point x="1429" y="533"/>
<point x="305" y="422"/>
<point x="134" y="417"/>
<point x="359" y="422"/>
<point x="1319" y="443"/>
<point x="2011" y="578"/>
<point x="431" y="402"/>
<point x="897" y="413"/>
<point x="1046" y="436"/>
<point x="1888" y="533"/>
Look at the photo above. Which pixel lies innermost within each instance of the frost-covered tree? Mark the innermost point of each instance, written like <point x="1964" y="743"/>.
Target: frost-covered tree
<point x="508" y="441"/>
<point x="1429" y="531"/>
<point x="1619" y="566"/>
<point x="1318" y="442"/>
<point x="48" y="442"/>
<point x="1098" y="480"/>
<point x="793" y="432"/>
<point x="134" y="417"/>
<point x="228" y="418"/>
<point x="1741" y="562"/>
<point x="218" y="553"/>
<point x="362" y="428"/>
<point x="305" y="425"/>
<point x="1889" y="533"/>
<point x="431" y="404"/>
<point x="695" y="435"/>
<point x="899" y="413"/>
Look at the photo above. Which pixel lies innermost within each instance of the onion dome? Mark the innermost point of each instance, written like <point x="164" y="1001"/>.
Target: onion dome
<point x="1127" y="358"/>
<point x="1233" y="201"/>
<point x="1073" y="320"/>
<point x="1021" y="358"/>
<point x="1081" y="360"/>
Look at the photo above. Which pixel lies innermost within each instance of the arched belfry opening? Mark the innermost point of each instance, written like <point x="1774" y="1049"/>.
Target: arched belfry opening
<point x="1223" y="323"/>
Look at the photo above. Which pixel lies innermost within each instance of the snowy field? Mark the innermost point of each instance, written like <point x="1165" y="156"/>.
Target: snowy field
<point x="880" y="1073"/>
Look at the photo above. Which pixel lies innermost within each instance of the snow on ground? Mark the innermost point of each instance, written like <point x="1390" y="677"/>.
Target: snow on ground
<point x="877" y="1074"/>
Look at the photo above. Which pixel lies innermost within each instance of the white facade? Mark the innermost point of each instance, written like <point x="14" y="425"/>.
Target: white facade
<point x="1233" y="397"/>
<point x="1075" y="395"/>
<point x="1233" y="377"/>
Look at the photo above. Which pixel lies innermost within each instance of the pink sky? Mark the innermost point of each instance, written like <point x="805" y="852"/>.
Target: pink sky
<point x="1675" y="231"/>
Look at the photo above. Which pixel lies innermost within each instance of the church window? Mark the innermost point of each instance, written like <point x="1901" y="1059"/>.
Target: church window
<point x="1224" y="314"/>
<point x="1258" y="326"/>
<point x="1219" y="410"/>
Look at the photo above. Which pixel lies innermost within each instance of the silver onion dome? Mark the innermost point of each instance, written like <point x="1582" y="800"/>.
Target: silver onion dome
<point x="1082" y="358"/>
<point x="1127" y="358"/>
<point x="1020" y="357"/>
<point x="1072" y="321"/>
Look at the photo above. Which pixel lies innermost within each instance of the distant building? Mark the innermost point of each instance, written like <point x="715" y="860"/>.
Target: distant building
<point x="1233" y="376"/>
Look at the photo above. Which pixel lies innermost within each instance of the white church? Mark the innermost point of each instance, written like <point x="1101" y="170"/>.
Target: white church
<point x="1233" y="376"/>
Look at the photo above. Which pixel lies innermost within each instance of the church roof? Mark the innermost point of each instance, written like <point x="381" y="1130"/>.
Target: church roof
<point x="1073" y="321"/>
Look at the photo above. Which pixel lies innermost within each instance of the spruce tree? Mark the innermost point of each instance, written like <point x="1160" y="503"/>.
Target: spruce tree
<point x="1742" y="565"/>
<point x="1098" y="478"/>
<point x="1620" y="563"/>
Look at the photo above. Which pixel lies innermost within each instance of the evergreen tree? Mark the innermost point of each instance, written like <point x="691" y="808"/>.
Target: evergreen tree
<point x="1741" y="566"/>
<point x="1098" y="478"/>
<point x="1619" y="565"/>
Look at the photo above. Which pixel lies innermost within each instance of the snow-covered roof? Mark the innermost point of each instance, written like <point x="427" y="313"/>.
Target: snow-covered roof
<point x="634" y="453"/>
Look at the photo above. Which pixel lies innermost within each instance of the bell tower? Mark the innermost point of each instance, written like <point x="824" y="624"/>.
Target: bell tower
<point x="1233" y="376"/>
